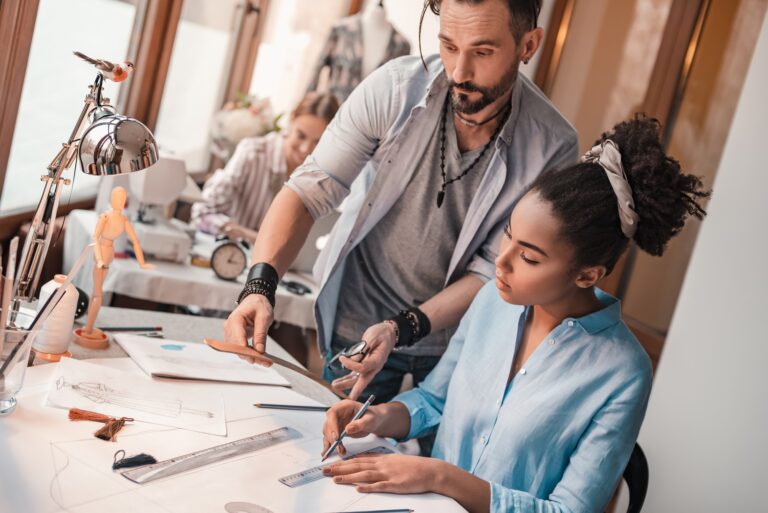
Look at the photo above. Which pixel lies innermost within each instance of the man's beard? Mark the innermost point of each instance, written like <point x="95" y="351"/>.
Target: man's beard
<point x="461" y="103"/>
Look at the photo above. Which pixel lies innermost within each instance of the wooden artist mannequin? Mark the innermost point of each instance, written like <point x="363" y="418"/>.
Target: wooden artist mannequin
<point x="111" y="225"/>
<point x="377" y="32"/>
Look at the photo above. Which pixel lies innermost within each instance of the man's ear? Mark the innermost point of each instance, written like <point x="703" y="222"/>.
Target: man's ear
<point x="589" y="276"/>
<point x="530" y="43"/>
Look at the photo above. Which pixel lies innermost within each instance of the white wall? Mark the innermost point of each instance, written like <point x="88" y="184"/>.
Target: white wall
<point x="706" y="430"/>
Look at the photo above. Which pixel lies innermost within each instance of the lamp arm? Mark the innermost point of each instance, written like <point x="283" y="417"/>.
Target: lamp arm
<point x="38" y="238"/>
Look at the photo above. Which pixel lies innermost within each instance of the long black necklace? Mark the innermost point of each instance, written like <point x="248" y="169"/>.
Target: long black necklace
<point x="446" y="182"/>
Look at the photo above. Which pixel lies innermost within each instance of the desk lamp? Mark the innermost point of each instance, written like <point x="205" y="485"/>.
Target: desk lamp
<point x="105" y="143"/>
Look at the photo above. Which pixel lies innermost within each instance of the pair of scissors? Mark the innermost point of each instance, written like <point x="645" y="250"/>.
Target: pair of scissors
<point x="359" y="349"/>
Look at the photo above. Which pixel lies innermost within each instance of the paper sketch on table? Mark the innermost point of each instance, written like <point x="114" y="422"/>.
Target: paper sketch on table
<point x="185" y="360"/>
<point x="101" y="393"/>
<point x="78" y="384"/>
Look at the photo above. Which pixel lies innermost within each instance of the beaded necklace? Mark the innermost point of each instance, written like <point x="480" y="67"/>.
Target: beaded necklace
<point x="446" y="181"/>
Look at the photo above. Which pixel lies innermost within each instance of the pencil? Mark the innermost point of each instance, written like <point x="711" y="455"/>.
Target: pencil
<point x="300" y="407"/>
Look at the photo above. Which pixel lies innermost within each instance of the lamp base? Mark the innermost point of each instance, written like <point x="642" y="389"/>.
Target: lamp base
<point x="96" y="339"/>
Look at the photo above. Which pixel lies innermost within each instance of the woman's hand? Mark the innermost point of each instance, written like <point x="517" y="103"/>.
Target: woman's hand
<point x="338" y="418"/>
<point x="388" y="473"/>
<point x="237" y="231"/>
<point x="379" y="339"/>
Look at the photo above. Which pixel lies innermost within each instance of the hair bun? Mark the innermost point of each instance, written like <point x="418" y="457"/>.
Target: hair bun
<point x="664" y="196"/>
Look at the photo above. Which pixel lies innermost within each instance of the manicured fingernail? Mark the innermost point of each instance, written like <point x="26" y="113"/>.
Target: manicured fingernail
<point x="327" y="471"/>
<point x="337" y="479"/>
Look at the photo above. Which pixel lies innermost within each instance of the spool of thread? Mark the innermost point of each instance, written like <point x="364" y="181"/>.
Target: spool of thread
<point x="56" y="333"/>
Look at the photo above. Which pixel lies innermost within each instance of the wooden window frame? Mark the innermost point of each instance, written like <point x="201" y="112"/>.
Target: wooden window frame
<point x="17" y="24"/>
<point x="554" y="41"/>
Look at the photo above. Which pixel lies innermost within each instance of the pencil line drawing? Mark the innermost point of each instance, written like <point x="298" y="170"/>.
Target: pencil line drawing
<point x="100" y="393"/>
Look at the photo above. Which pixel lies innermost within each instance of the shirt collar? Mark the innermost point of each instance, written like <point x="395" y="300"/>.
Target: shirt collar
<point x="604" y="318"/>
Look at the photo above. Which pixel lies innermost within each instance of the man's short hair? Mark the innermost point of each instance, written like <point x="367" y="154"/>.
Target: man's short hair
<point x="524" y="14"/>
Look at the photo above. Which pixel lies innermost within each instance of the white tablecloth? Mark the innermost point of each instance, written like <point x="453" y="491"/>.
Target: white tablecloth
<point x="174" y="283"/>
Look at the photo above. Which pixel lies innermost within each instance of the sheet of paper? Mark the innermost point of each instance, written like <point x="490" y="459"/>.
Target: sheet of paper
<point x="176" y="359"/>
<point x="77" y="384"/>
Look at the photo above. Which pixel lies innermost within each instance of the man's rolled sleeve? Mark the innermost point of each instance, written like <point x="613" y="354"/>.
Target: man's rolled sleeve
<point x="349" y="142"/>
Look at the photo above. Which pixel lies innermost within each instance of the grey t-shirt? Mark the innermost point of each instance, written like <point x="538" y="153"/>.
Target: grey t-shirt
<point x="404" y="259"/>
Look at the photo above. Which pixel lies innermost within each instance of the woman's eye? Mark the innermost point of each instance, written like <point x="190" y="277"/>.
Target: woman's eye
<point x="528" y="260"/>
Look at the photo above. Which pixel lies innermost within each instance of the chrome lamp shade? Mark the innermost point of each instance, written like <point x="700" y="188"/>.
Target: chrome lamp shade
<point x="115" y="145"/>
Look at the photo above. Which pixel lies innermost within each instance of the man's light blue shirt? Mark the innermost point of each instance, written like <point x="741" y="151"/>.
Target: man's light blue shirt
<point x="374" y="145"/>
<point x="558" y="437"/>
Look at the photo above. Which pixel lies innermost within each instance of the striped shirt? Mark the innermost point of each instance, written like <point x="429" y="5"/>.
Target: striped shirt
<point x="242" y="191"/>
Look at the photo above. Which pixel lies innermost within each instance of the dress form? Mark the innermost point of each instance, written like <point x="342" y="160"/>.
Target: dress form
<point x="377" y="32"/>
<point x="111" y="225"/>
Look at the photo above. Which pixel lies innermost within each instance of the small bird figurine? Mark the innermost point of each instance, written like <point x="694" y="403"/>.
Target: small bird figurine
<point x="110" y="70"/>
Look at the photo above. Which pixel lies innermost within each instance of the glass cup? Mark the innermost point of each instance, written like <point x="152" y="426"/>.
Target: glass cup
<point x="13" y="364"/>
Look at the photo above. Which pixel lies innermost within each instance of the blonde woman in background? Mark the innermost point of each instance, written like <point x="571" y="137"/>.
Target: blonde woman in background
<point x="236" y="197"/>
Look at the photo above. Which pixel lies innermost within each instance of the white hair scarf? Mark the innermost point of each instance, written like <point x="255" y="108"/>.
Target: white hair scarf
<point x="607" y="155"/>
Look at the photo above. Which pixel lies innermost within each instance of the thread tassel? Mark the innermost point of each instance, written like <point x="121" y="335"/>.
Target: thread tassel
<point x="111" y="425"/>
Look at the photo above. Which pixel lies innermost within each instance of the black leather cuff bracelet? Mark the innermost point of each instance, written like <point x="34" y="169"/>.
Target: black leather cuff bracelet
<point x="412" y="326"/>
<point x="262" y="279"/>
<point x="264" y="271"/>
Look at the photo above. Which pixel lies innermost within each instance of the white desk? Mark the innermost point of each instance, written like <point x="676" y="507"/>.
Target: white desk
<point x="177" y="284"/>
<point x="49" y="464"/>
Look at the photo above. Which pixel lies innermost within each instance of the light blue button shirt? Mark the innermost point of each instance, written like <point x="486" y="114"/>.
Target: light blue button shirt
<point x="558" y="437"/>
<point x="374" y="145"/>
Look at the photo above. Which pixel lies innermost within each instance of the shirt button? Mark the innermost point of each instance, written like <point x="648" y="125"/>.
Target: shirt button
<point x="482" y="440"/>
<point x="498" y="403"/>
<point x="551" y="341"/>
<point x="522" y="371"/>
<point x="570" y="324"/>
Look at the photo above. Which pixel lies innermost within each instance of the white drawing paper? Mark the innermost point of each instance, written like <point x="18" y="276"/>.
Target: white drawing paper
<point x="175" y="359"/>
<point x="78" y="384"/>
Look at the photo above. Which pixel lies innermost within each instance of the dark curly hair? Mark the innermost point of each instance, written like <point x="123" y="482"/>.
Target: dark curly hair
<point x="582" y="198"/>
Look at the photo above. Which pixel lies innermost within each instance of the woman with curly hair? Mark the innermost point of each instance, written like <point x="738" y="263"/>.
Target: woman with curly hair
<point x="540" y="396"/>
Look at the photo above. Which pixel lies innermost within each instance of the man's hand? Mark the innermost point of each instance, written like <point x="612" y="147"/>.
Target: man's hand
<point x="252" y="318"/>
<point x="379" y="339"/>
<point x="388" y="473"/>
<point x="338" y="418"/>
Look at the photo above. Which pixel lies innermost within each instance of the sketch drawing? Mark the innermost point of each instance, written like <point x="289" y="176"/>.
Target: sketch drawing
<point x="101" y="393"/>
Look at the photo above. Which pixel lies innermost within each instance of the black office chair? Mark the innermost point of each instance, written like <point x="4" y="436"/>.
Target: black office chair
<point x="636" y="476"/>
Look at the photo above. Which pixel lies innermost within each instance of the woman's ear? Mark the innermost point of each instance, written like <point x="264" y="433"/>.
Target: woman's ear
<point x="589" y="276"/>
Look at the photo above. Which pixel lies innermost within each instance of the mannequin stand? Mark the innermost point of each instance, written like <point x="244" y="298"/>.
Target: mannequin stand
<point x="51" y="357"/>
<point x="96" y="339"/>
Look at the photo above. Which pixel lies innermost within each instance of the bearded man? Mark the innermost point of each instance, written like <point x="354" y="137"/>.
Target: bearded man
<point x="432" y="155"/>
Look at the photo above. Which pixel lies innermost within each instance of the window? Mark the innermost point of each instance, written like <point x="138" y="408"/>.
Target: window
<point x="199" y="69"/>
<point x="55" y="85"/>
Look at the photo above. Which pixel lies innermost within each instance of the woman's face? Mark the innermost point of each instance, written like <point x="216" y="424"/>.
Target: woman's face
<point x="535" y="264"/>
<point x="303" y="136"/>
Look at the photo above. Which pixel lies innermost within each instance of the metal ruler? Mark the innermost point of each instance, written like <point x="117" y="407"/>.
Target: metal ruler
<point x="316" y="473"/>
<point x="197" y="459"/>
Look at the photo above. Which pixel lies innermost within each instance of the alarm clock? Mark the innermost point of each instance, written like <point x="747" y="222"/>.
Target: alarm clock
<point x="229" y="260"/>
